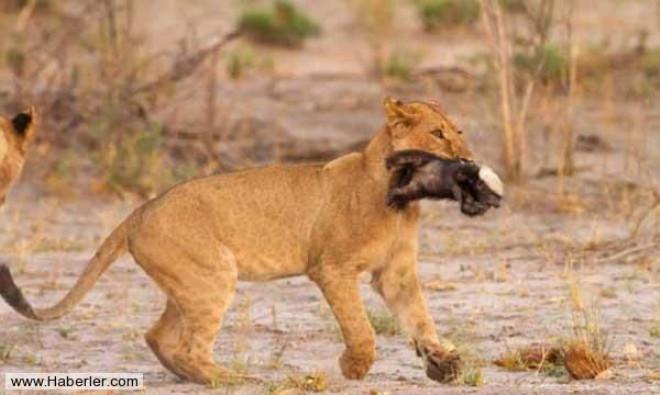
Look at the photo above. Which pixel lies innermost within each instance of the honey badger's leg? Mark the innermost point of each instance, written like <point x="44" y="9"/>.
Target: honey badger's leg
<point x="341" y="292"/>
<point x="200" y="283"/>
<point x="400" y="287"/>
<point x="399" y="197"/>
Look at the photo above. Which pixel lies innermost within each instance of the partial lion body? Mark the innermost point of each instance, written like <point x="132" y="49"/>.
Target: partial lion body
<point x="268" y="231"/>
<point x="327" y="221"/>
<point x="14" y="137"/>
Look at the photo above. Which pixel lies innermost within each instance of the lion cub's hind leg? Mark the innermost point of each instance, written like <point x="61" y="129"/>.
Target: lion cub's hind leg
<point x="163" y="338"/>
<point x="199" y="282"/>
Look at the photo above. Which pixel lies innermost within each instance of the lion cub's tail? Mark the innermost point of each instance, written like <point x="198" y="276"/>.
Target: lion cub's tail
<point x="109" y="251"/>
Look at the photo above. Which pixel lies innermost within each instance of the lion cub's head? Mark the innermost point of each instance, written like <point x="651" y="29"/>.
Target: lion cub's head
<point x="423" y="126"/>
<point x="15" y="134"/>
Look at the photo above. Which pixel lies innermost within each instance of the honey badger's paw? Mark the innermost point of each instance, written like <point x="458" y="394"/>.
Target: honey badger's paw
<point x="354" y="366"/>
<point x="441" y="365"/>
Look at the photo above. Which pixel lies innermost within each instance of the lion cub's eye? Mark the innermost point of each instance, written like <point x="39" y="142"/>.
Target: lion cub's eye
<point x="438" y="133"/>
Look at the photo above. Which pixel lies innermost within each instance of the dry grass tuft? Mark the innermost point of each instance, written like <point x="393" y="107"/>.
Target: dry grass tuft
<point x="582" y="361"/>
<point x="586" y="351"/>
<point x="471" y="373"/>
<point x="541" y="357"/>
<point x="655" y="330"/>
<point x="383" y="323"/>
<point x="6" y="352"/>
<point x="313" y="382"/>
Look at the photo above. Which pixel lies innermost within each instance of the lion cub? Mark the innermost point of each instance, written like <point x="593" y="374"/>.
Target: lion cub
<point x="329" y="222"/>
<point x="14" y="137"/>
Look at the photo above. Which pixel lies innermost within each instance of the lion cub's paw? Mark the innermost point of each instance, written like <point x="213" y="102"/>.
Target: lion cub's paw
<point x="356" y="366"/>
<point x="441" y="366"/>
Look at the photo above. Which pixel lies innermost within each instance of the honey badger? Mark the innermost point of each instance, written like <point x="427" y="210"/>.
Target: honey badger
<point x="418" y="174"/>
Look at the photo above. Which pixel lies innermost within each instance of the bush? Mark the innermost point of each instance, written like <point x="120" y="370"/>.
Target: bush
<point x="135" y="161"/>
<point x="513" y="6"/>
<point x="651" y="63"/>
<point x="283" y="25"/>
<point x="383" y="323"/>
<point x="242" y="61"/>
<point x="239" y="63"/>
<point x="553" y="63"/>
<point x="438" y="13"/>
<point x="398" y="67"/>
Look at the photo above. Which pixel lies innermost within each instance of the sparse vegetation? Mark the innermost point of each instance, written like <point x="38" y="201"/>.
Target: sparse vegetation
<point x="283" y="25"/>
<point x="586" y="351"/>
<point x="471" y="373"/>
<point x="655" y="330"/>
<point x="375" y="19"/>
<point x="239" y="62"/>
<point x="6" y="352"/>
<point x="436" y="14"/>
<point x="583" y="361"/>
<point x="398" y="66"/>
<point x="383" y="323"/>
<point x="313" y="382"/>
<point x="514" y="6"/>
<point x="135" y="162"/>
<point x="550" y="62"/>
<point x="65" y="332"/>
<point x="540" y="357"/>
<point x="651" y="68"/>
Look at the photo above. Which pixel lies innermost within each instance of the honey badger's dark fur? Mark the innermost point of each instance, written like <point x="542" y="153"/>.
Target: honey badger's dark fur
<point x="418" y="174"/>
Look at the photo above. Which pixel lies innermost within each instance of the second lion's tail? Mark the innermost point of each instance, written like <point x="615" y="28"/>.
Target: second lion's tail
<point x="109" y="251"/>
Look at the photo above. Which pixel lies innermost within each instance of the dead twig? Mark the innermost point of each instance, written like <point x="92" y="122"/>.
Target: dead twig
<point x="186" y="66"/>
<point x="646" y="213"/>
<point x="628" y="251"/>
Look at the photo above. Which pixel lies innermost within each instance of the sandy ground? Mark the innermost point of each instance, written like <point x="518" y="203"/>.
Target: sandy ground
<point x="494" y="282"/>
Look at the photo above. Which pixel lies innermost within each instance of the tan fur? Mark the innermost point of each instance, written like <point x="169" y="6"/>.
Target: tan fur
<point x="327" y="221"/>
<point x="13" y="147"/>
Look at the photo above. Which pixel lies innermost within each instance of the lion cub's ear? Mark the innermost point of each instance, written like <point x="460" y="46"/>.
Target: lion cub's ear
<point x="24" y="124"/>
<point x="398" y="111"/>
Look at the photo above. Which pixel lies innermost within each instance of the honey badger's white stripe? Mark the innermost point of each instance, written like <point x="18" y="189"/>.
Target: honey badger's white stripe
<point x="492" y="180"/>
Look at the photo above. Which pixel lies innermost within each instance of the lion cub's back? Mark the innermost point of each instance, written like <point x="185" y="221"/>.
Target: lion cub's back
<point x="264" y="215"/>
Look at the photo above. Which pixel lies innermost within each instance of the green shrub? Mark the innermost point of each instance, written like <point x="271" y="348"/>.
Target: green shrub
<point x="436" y="14"/>
<point x="135" y="161"/>
<point x="655" y="330"/>
<point x="239" y="63"/>
<point x="15" y="60"/>
<point x="282" y="25"/>
<point x="242" y="61"/>
<point x="513" y="6"/>
<point x="18" y="5"/>
<point x="399" y="67"/>
<point x="383" y="323"/>
<point x="651" y="63"/>
<point x="552" y="62"/>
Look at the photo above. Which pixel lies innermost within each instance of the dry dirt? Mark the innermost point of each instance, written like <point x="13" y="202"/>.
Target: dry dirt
<point x="492" y="282"/>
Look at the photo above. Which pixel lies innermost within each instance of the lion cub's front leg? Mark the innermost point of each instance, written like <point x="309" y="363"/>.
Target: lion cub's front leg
<point x="342" y="293"/>
<point x="399" y="286"/>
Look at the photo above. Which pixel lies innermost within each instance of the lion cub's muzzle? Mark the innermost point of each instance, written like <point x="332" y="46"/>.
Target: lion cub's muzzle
<point x="419" y="174"/>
